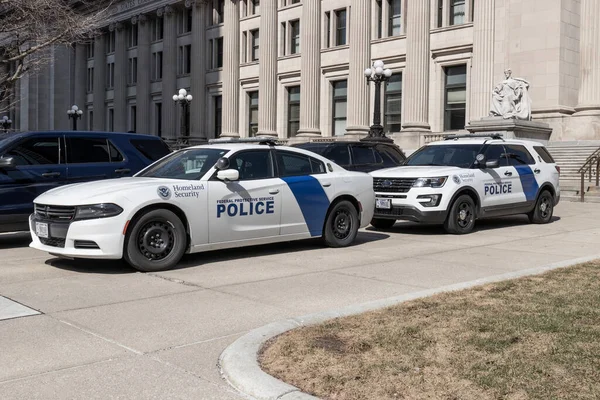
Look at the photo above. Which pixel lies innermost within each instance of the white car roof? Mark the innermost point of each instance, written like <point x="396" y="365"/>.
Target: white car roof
<point x="483" y="140"/>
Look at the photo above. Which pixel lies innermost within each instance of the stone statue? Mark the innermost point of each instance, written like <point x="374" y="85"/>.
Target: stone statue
<point x="510" y="98"/>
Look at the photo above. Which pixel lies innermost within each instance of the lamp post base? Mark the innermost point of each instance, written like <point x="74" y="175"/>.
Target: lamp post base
<point x="376" y="135"/>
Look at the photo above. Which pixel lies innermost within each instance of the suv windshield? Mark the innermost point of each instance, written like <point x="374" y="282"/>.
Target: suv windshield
<point x="450" y="155"/>
<point x="188" y="165"/>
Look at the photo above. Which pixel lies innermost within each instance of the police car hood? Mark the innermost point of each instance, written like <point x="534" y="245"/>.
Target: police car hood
<point x="415" y="172"/>
<point x="106" y="190"/>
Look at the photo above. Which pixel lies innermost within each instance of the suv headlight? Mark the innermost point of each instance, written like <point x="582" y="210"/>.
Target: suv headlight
<point x="93" y="211"/>
<point x="431" y="182"/>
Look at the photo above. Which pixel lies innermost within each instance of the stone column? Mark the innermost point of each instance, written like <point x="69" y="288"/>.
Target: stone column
<point x="360" y="58"/>
<point x="589" y="88"/>
<point x="416" y="74"/>
<point x="267" y="91"/>
<point x="482" y="72"/>
<point x="198" y="88"/>
<point x="121" y="72"/>
<point x="100" y="83"/>
<point x="169" y="79"/>
<point x="81" y="83"/>
<point x="142" y="89"/>
<point x="231" y="69"/>
<point x="310" y="73"/>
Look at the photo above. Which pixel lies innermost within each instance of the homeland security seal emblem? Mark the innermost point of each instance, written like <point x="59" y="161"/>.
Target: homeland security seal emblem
<point x="164" y="192"/>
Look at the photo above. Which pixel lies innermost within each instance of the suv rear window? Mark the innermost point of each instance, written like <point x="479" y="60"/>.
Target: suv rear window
<point x="546" y="156"/>
<point x="151" y="149"/>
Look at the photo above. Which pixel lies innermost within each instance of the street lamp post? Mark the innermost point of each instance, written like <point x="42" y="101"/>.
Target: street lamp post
<point x="184" y="99"/>
<point x="377" y="74"/>
<point x="5" y="122"/>
<point x="74" y="113"/>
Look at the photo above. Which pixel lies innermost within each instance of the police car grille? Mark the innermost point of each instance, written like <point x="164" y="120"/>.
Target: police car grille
<point x="53" y="242"/>
<point x="55" y="213"/>
<point x="393" y="185"/>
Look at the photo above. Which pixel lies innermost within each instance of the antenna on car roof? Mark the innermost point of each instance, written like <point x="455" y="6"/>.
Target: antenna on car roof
<point x="260" y="140"/>
<point x="492" y="136"/>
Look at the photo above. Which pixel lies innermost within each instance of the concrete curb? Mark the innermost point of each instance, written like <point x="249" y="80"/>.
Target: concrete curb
<point x="239" y="365"/>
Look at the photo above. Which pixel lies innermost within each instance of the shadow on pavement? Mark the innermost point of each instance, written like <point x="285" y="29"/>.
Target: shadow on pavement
<point x="91" y="266"/>
<point x="14" y="240"/>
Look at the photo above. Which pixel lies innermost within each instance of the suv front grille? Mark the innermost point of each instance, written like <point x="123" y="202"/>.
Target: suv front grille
<point x="55" y="213"/>
<point x="54" y="242"/>
<point x="393" y="185"/>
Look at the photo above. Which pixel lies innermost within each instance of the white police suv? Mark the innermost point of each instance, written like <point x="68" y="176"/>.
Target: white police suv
<point x="464" y="178"/>
<point x="229" y="193"/>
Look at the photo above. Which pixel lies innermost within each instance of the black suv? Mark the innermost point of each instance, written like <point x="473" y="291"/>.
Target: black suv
<point x="363" y="156"/>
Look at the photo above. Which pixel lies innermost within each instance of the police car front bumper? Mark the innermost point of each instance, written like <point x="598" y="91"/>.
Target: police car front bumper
<point x="410" y="213"/>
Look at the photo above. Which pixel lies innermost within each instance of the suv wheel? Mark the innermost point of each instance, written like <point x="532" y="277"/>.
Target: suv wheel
<point x="381" y="223"/>
<point x="156" y="242"/>
<point x="461" y="218"/>
<point x="544" y="208"/>
<point x="341" y="226"/>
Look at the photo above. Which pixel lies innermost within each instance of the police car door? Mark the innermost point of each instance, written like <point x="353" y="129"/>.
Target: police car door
<point x="499" y="186"/>
<point x="249" y="208"/>
<point x="527" y="171"/>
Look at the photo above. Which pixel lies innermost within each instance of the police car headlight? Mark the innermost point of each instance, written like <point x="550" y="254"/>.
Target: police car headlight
<point x="431" y="182"/>
<point x="93" y="211"/>
<point x="429" y="200"/>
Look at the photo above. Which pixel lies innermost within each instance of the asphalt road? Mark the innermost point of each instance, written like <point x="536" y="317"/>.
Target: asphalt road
<point x="99" y="330"/>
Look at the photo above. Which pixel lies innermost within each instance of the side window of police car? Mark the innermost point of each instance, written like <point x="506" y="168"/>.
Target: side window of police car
<point x="291" y="164"/>
<point x="497" y="152"/>
<point x="253" y="164"/>
<point x="519" y="155"/>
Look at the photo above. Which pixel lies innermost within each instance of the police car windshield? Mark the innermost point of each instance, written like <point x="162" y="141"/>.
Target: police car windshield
<point x="448" y="155"/>
<point x="187" y="165"/>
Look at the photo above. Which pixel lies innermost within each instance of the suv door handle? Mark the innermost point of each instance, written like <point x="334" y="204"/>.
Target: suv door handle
<point x="327" y="184"/>
<point x="508" y="173"/>
<point x="51" y="174"/>
<point x="273" y="191"/>
<point x="122" y="171"/>
<point x="537" y="171"/>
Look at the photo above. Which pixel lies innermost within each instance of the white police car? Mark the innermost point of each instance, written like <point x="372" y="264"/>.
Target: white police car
<point x="229" y="193"/>
<point x="464" y="178"/>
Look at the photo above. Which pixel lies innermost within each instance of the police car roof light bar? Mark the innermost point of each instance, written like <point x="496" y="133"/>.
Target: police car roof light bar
<point x="260" y="140"/>
<point x="476" y="135"/>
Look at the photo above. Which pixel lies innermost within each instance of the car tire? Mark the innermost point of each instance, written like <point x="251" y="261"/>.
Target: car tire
<point x="341" y="225"/>
<point x="156" y="241"/>
<point x="461" y="218"/>
<point x="544" y="208"/>
<point x="382" y="223"/>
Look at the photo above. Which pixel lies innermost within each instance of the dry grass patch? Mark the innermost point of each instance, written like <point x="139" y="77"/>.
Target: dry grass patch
<point x="531" y="338"/>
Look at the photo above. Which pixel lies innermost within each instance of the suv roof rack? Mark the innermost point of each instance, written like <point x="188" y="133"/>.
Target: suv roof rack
<point x="476" y="135"/>
<point x="271" y="141"/>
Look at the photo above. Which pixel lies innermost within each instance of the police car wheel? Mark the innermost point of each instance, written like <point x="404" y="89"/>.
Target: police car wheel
<point x="461" y="218"/>
<point x="544" y="208"/>
<point x="381" y="223"/>
<point x="156" y="241"/>
<point x="341" y="226"/>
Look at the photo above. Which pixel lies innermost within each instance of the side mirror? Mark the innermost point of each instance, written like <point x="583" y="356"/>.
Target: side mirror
<point x="7" y="162"/>
<point x="228" y="175"/>
<point x="492" y="164"/>
<point x="222" y="163"/>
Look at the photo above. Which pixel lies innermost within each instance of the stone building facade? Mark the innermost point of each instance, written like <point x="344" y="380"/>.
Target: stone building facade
<point x="294" y="68"/>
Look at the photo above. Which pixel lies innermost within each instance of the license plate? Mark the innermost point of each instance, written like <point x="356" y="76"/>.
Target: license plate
<point x="383" y="203"/>
<point x="41" y="229"/>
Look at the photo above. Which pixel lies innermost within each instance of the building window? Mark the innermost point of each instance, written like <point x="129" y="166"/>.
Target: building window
<point x="218" y="115"/>
<point x="156" y="69"/>
<point x="90" y="79"/>
<point x="110" y="42"/>
<point x="111" y="120"/>
<point x="132" y="36"/>
<point x="132" y="71"/>
<point x="218" y="13"/>
<point x="340" y="103"/>
<point x="379" y="19"/>
<point x="158" y="119"/>
<point x="252" y="113"/>
<point x="216" y="53"/>
<point x="184" y="60"/>
<point x="110" y="75"/>
<point x="440" y="13"/>
<point x="340" y="27"/>
<point x="294" y="37"/>
<point x="457" y="12"/>
<point x="290" y="2"/>
<point x="293" y="110"/>
<point x="157" y="29"/>
<point x="253" y="7"/>
<point x="455" y="98"/>
<point x="133" y="119"/>
<point x="184" y="21"/>
<point x="89" y="50"/>
<point x="393" y="104"/>
<point x="395" y="22"/>
<point x="255" y="37"/>
<point x="327" y="29"/>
